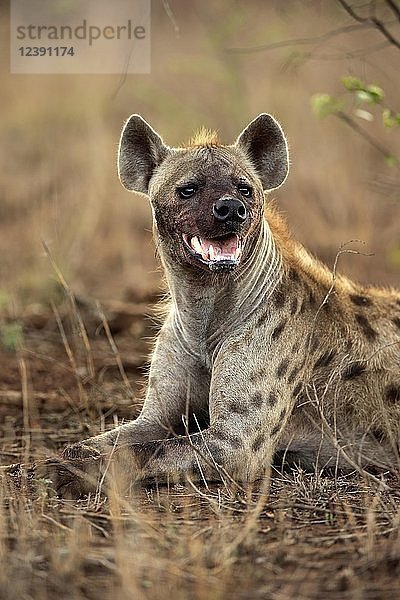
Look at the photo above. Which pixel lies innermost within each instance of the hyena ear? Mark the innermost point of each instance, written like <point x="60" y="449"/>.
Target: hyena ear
<point x="265" y="144"/>
<point x="140" y="151"/>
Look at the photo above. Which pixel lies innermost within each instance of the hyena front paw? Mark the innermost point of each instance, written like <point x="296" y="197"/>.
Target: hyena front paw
<point x="78" y="472"/>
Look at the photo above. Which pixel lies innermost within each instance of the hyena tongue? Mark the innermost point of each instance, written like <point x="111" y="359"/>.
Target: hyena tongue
<point x="227" y="248"/>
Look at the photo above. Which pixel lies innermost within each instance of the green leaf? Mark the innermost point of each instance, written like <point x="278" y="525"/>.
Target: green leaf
<point x="363" y="96"/>
<point x="371" y="93"/>
<point x="390" y="119"/>
<point x="369" y="97"/>
<point x="324" y="105"/>
<point x="352" y="83"/>
<point x="376" y="93"/>
<point x="387" y="118"/>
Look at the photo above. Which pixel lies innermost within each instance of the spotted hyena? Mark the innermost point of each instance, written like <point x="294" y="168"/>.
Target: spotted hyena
<point x="264" y="351"/>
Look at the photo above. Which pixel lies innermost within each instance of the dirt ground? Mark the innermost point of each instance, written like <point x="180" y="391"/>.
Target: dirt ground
<point x="308" y="537"/>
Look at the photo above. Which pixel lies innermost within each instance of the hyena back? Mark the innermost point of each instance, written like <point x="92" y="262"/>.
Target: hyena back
<point x="264" y="350"/>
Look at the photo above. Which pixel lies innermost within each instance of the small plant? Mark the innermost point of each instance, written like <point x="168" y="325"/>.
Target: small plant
<point x="361" y="99"/>
<point x="11" y="336"/>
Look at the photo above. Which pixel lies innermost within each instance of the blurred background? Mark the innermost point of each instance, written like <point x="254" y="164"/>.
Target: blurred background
<point x="216" y="64"/>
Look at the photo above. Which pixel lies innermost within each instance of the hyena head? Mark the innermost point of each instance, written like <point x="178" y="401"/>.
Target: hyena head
<point x="207" y="198"/>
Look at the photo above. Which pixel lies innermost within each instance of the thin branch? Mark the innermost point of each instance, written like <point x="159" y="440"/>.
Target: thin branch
<point x="377" y="23"/>
<point x="394" y="7"/>
<point x="300" y="41"/>
<point x="364" y="134"/>
<point x="70" y="295"/>
<point x="348" y="54"/>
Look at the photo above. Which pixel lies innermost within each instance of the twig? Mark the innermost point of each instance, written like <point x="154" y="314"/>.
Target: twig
<point x="395" y="9"/>
<point x="114" y="348"/>
<point x="71" y="297"/>
<point x="25" y="407"/>
<point x="377" y="23"/>
<point x="70" y="354"/>
<point x="299" y="41"/>
<point x="364" y="134"/>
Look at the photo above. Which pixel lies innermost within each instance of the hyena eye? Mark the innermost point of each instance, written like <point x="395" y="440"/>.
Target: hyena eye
<point x="245" y="190"/>
<point x="186" y="191"/>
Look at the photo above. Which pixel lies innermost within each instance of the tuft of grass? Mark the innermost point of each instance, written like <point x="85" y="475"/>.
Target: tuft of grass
<point x="11" y="336"/>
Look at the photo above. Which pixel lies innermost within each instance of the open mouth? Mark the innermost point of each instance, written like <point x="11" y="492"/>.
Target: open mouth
<point x="219" y="254"/>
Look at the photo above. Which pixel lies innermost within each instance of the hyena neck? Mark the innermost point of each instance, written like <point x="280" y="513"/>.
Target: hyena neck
<point x="260" y="275"/>
<point x="206" y="309"/>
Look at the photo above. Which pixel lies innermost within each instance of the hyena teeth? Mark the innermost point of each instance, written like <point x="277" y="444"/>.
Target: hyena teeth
<point x="211" y="252"/>
<point x="196" y="245"/>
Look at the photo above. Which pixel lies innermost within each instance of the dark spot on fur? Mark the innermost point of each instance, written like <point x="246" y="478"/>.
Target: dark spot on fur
<point x="293" y="275"/>
<point x="327" y="305"/>
<point x="396" y="321"/>
<point x="294" y="306"/>
<point x="282" y="368"/>
<point x="293" y="374"/>
<point x="275" y="430"/>
<point x="348" y="346"/>
<point x="279" y="299"/>
<point x="296" y="347"/>
<point x="311" y="298"/>
<point x="257" y="375"/>
<point x="180" y="441"/>
<point x="325" y="359"/>
<point x="297" y="390"/>
<point x="303" y="362"/>
<point x="258" y="442"/>
<point x="360" y="300"/>
<point x="272" y="399"/>
<point x="232" y="440"/>
<point x="278" y="330"/>
<point x="194" y="469"/>
<point x="264" y="317"/>
<point x="367" y="330"/>
<point x="378" y="435"/>
<point x="257" y="399"/>
<point x="240" y="409"/>
<point x="354" y="370"/>
<point x="392" y="393"/>
<point x="312" y="341"/>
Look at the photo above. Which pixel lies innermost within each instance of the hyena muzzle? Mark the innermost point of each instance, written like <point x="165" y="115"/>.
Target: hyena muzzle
<point x="264" y="352"/>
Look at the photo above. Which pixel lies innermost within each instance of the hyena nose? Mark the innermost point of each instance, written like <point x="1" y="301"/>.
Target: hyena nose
<point x="229" y="209"/>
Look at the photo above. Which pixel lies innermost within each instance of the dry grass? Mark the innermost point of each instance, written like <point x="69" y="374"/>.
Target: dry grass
<point x="311" y="536"/>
